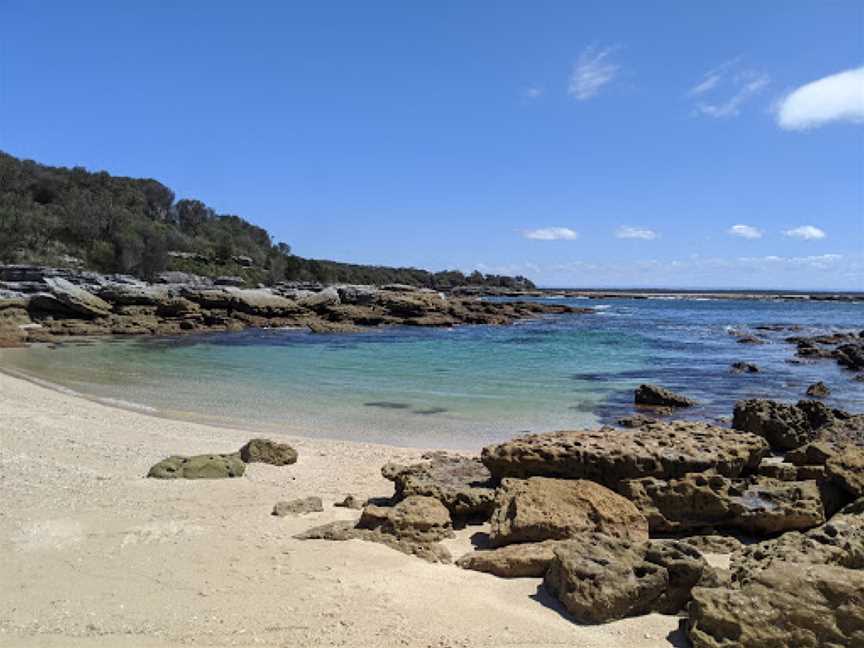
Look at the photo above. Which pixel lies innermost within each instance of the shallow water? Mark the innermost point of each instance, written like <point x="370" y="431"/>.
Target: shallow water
<point x="462" y="387"/>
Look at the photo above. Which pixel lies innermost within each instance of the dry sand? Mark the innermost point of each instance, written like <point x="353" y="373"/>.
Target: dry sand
<point x="94" y="554"/>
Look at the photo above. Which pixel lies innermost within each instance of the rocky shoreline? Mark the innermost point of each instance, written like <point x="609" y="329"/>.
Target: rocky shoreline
<point x="45" y="304"/>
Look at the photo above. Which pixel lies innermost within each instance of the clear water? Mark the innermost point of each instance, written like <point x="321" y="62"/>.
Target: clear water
<point x="462" y="387"/>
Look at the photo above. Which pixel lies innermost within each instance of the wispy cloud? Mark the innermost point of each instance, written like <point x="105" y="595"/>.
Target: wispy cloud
<point x="625" y="232"/>
<point x="806" y="232"/>
<point x="723" y="91"/>
<point x="745" y="231"/>
<point x="835" y="98"/>
<point x="532" y="92"/>
<point x="593" y="70"/>
<point x="551" y="234"/>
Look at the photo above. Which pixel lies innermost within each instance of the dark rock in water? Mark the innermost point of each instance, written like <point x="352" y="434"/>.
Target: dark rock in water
<point x="213" y="466"/>
<point x="850" y="356"/>
<point x="541" y="508"/>
<point x="660" y="396"/>
<point x="298" y="506"/>
<point x="413" y="527"/>
<point x="818" y="390"/>
<point x="787" y="427"/>
<point x="600" y="579"/>
<point x="750" y="339"/>
<point x="609" y="456"/>
<point x="698" y="501"/>
<point x="462" y="484"/>
<point x="744" y="367"/>
<point x="351" y="502"/>
<point x="807" y="606"/>
<point x="528" y="560"/>
<point x="846" y="469"/>
<point x="267" y="451"/>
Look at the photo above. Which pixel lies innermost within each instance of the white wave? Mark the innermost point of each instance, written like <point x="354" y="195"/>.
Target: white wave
<point x="119" y="402"/>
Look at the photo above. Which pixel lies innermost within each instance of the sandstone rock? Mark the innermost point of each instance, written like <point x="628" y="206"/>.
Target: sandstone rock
<point x="635" y="421"/>
<point x="850" y="356"/>
<point x="416" y="518"/>
<point x="177" y="307"/>
<point x="513" y="561"/>
<point x="212" y="466"/>
<point x="608" y="456"/>
<point x="357" y="295"/>
<point x="320" y="300"/>
<point x="815" y="453"/>
<point x="122" y="294"/>
<point x="806" y="606"/>
<point x="541" y="508"/>
<point x="778" y="470"/>
<point x="341" y="531"/>
<point x="787" y="427"/>
<point x="712" y="543"/>
<point x="462" y="484"/>
<point x="655" y="395"/>
<point x="298" y="506"/>
<point x="267" y="451"/>
<point x="818" y="390"/>
<point x="414" y="304"/>
<point x="698" y="501"/>
<point x="744" y="367"/>
<point x="351" y="502"/>
<point x="77" y="299"/>
<point x="599" y="579"/>
<point x="846" y="469"/>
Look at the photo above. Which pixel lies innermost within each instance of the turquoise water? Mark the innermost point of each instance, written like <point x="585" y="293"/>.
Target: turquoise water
<point x="460" y="387"/>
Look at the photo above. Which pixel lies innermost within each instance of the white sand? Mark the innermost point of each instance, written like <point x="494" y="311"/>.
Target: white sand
<point x="94" y="554"/>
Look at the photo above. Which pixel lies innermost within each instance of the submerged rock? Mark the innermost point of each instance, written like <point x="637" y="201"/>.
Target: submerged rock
<point x="212" y="466"/>
<point x="655" y="395"/>
<point x="609" y="456"/>
<point x="541" y="508"/>
<point x="818" y="390"/>
<point x="267" y="451"/>
<point x="744" y="367"/>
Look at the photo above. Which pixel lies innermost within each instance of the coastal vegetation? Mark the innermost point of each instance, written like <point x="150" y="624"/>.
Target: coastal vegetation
<point x="73" y="217"/>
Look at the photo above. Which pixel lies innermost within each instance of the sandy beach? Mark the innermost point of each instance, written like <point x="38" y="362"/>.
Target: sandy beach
<point x="94" y="554"/>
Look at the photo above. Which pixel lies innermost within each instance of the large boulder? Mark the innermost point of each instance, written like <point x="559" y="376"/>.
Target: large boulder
<point x="806" y="606"/>
<point x="600" y="579"/>
<point x="320" y="300"/>
<point x="267" y="451"/>
<point x="462" y="484"/>
<point x="609" y="456"/>
<point x="846" y="469"/>
<point x="542" y="508"/>
<point x="654" y="395"/>
<point x="77" y="299"/>
<point x="787" y="427"/>
<point x="212" y="466"/>
<point x="700" y="501"/>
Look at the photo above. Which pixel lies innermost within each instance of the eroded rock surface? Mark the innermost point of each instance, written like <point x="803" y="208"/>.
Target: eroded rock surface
<point x="212" y="466"/>
<point x="787" y="427"/>
<point x="298" y="506"/>
<point x="654" y="395"/>
<point x="267" y="451"/>
<point x="513" y="561"/>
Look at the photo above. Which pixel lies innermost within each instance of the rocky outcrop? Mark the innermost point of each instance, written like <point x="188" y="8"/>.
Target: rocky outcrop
<point x="212" y="466"/>
<point x="298" y="506"/>
<point x="609" y="456"/>
<point x="541" y="508"/>
<point x="806" y="606"/>
<point x="654" y="395"/>
<point x="846" y="469"/>
<point x="77" y="299"/>
<point x="787" y="427"/>
<point x="529" y="560"/>
<point x="600" y="579"/>
<point x="413" y="526"/>
<point x="462" y="484"/>
<point x="703" y="501"/>
<point x="267" y="451"/>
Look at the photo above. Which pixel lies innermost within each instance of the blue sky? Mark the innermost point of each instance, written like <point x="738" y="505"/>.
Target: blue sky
<point x="581" y="144"/>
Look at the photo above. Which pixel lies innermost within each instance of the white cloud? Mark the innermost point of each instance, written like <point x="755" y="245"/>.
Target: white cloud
<point x="745" y="231"/>
<point x="625" y="232"/>
<point x="839" y="97"/>
<point x="724" y="90"/>
<point x="806" y="232"/>
<point x="551" y="234"/>
<point x="532" y="92"/>
<point x="592" y="71"/>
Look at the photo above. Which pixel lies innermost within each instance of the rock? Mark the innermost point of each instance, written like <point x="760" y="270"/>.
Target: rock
<point x="416" y="518"/>
<point x="608" y="456"/>
<point x="655" y="395"/>
<point x="212" y="466"/>
<point x="599" y="579"/>
<point x="77" y="299"/>
<point x="818" y="390"/>
<point x="778" y="470"/>
<point x="177" y="307"/>
<point x="269" y="452"/>
<point x="749" y="339"/>
<point x="541" y="508"/>
<point x="530" y="560"/>
<point x="806" y="606"/>
<point x="411" y="304"/>
<point x="846" y="469"/>
<point x="850" y="356"/>
<point x="320" y="300"/>
<point x="635" y="421"/>
<point x="712" y="543"/>
<point x="351" y="502"/>
<point x="744" y="367"/>
<point x="122" y="294"/>
<point x="815" y="453"/>
<point x="357" y="295"/>
<point x="298" y="506"/>
<point x="462" y="484"/>
<point x="787" y="427"/>
<point x="699" y="501"/>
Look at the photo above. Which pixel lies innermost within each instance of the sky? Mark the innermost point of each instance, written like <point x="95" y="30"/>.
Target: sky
<point x="582" y="144"/>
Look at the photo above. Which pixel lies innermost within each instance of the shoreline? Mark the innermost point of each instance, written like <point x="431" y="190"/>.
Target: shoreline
<point x="94" y="554"/>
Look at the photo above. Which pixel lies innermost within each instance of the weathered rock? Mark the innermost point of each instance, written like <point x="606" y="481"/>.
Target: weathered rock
<point x="351" y="502"/>
<point x="787" y="427"/>
<point x="656" y="395"/>
<point x="806" y="606"/>
<point x="599" y="579"/>
<point x="713" y="543"/>
<point x="530" y="560"/>
<point x="699" y="501"/>
<point x="818" y="390"/>
<point x="850" y="356"/>
<point x="608" y="455"/>
<point x="462" y="484"/>
<point x="815" y="453"/>
<point x="635" y="421"/>
<point x="212" y="466"/>
<point x="416" y="518"/>
<point x="298" y="506"/>
<point x="542" y="508"/>
<point x="77" y="299"/>
<point x="778" y="470"/>
<point x="320" y="300"/>
<point x="269" y="452"/>
<point x="846" y="469"/>
<point x="341" y="531"/>
<point x="750" y="339"/>
<point x="744" y="367"/>
<point x="357" y="295"/>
